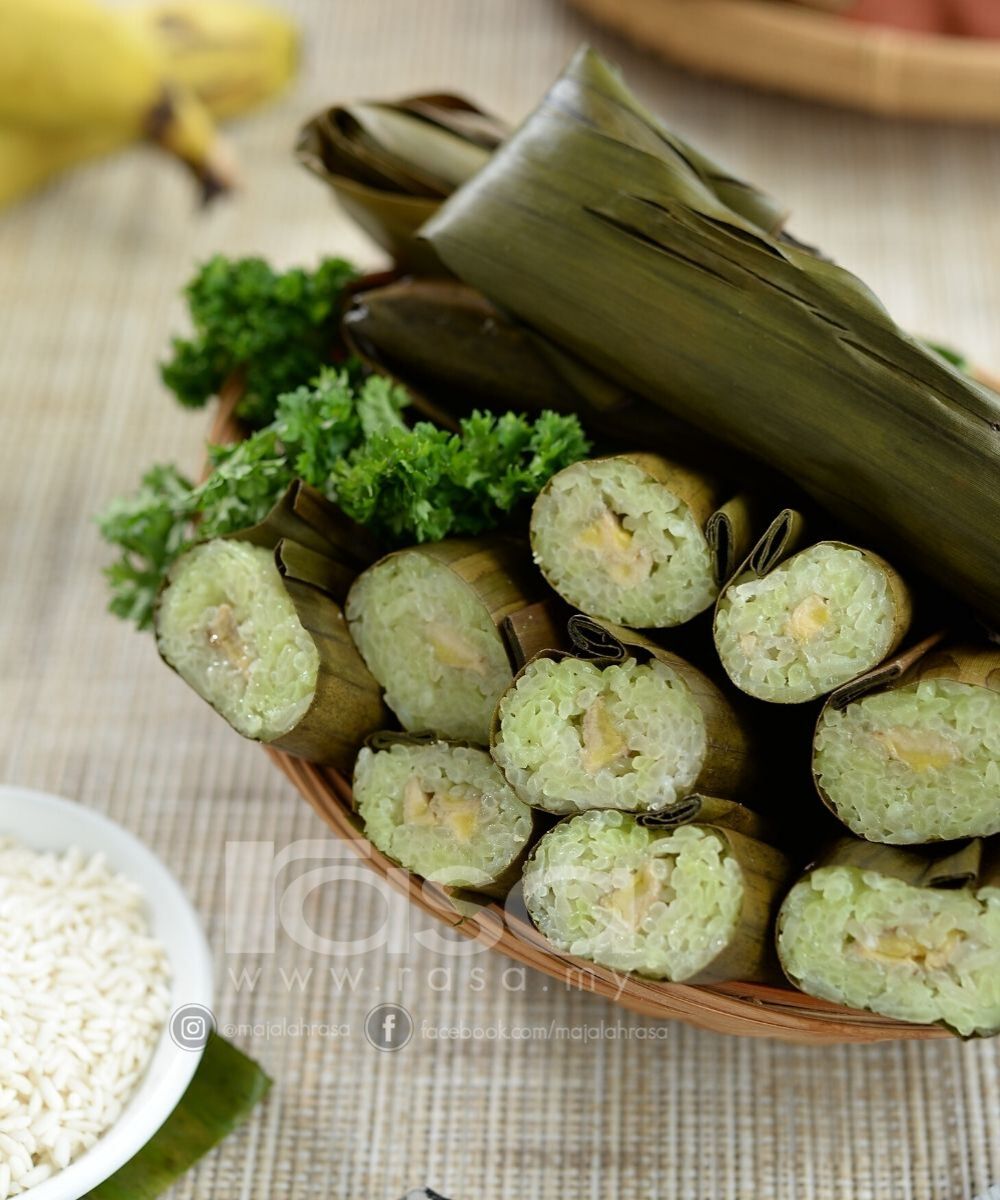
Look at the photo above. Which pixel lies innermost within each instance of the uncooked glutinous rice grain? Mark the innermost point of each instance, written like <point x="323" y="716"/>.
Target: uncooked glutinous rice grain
<point x="84" y="997"/>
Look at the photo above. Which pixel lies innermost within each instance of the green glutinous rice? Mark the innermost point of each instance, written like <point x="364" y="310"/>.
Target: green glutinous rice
<point x="917" y="763"/>
<point x="226" y="624"/>
<point x="871" y="941"/>
<point x="657" y="902"/>
<point x="444" y="812"/>
<point x="619" y="544"/>
<point x="431" y="643"/>
<point x="575" y="736"/>
<point x="818" y="619"/>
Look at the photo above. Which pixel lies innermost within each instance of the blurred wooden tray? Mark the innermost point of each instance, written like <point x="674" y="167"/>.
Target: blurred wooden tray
<point x="818" y="55"/>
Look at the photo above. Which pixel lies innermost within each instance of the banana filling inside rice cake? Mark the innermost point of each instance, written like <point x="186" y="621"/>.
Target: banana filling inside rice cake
<point x="618" y="541"/>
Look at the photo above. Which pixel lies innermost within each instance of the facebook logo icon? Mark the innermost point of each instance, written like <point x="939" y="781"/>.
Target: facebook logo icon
<point x="388" y="1027"/>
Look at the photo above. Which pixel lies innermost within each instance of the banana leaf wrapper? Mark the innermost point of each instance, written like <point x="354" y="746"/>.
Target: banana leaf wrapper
<point x="347" y="704"/>
<point x="391" y="163"/>
<point x="699" y="809"/>
<point x="766" y="872"/>
<point x="304" y="515"/>
<point x="732" y="530"/>
<point x="910" y="752"/>
<point x="724" y="765"/>
<point x="901" y="933"/>
<point x="665" y="565"/>
<point x="431" y="614"/>
<point x="447" y="341"/>
<point x="608" y="235"/>
<point x="612" y="925"/>
<point x="457" y="351"/>
<point x="466" y="879"/>
<point x="224" y="1091"/>
<point x="776" y="655"/>
<point x="315" y="574"/>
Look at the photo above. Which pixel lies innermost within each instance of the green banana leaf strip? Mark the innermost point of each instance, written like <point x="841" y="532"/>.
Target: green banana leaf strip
<point x="390" y="163"/>
<point x="426" y="156"/>
<point x="447" y="343"/>
<point x="458" y="115"/>
<point x="224" y="1091"/>
<point x="616" y="113"/>
<point x="603" y="232"/>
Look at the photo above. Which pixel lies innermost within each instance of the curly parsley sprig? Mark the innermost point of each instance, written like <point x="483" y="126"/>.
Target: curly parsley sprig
<point x="277" y="328"/>
<point x="406" y="484"/>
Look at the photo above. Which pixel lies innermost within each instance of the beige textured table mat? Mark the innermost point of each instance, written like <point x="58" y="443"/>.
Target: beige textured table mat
<point x="89" y="273"/>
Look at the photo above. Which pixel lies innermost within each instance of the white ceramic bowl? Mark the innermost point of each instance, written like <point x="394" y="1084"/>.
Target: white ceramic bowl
<point x="46" y="822"/>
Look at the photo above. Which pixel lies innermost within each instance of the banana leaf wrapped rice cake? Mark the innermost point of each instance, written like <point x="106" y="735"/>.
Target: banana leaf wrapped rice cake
<point x="252" y="623"/>
<point x="391" y="163"/>
<point x="453" y="347"/>
<point x="801" y="627"/>
<point x="426" y="622"/>
<point x="697" y="301"/>
<point x="691" y="904"/>
<point x="443" y="811"/>
<point x="888" y="930"/>
<point x="623" y="538"/>
<point x="616" y="723"/>
<point x="917" y="760"/>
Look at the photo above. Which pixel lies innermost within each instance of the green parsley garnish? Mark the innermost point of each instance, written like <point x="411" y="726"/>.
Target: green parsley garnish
<point x="406" y="484"/>
<point x="276" y="328"/>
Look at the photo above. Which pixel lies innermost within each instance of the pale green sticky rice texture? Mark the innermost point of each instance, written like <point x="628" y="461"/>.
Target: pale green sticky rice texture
<point x="764" y="659"/>
<point x="577" y="870"/>
<point x="868" y="757"/>
<point x="830" y="928"/>
<point x="541" y="744"/>
<point x="392" y="609"/>
<point x="667" y="539"/>
<point x="227" y="626"/>
<point x="504" y="823"/>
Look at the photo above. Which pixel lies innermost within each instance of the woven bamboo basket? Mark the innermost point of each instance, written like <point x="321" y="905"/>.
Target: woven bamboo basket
<point x="818" y="55"/>
<point x="745" y="1009"/>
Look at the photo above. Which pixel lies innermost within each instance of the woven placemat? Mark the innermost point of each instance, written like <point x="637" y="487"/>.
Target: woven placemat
<point x="542" y="1094"/>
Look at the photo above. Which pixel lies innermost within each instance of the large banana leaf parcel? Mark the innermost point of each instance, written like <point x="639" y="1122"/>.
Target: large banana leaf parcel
<point x="610" y="236"/>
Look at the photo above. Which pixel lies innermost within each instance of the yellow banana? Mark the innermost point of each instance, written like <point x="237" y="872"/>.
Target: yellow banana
<point x="184" y="127"/>
<point x="28" y="159"/>
<point x="232" y="54"/>
<point x="70" y="64"/>
<point x="72" y="67"/>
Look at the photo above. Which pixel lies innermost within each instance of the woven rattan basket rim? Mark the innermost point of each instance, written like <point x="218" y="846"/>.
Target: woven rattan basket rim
<point x="818" y="55"/>
<point x="745" y="1009"/>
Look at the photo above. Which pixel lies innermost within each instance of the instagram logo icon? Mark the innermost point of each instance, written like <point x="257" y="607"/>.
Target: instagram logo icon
<point x="190" y="1026"/>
